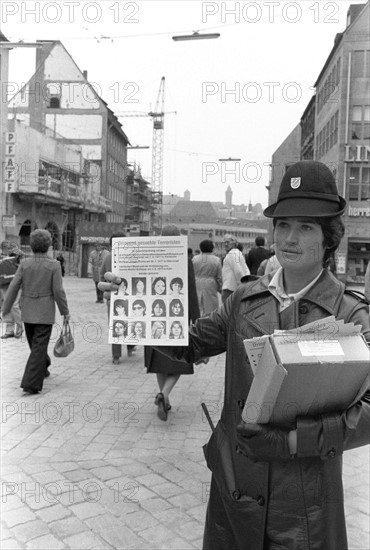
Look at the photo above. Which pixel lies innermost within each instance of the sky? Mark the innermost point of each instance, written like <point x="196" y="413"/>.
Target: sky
<point x="238" y="96"/>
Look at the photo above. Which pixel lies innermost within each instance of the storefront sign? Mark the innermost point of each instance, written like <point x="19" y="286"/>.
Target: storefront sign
<point x="358" y="153"/>
<point x="8" y="221"/>
<point x="9" y="165"/>
<point x="340" y="260"/>
<point x="359" y="211"/>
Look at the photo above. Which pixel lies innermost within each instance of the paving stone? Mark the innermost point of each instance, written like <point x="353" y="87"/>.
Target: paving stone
<point x="17" y="516"/>
<point x="11" y="544"/>
<point x="67" y="526"/>
<point x="30" y="530"/>
<point x="47" y="542"/>
<point x="53" y="513"/>
<point x="114" y="532"/>
<point x="87" y="509"/>
<point x="86" y="541"/>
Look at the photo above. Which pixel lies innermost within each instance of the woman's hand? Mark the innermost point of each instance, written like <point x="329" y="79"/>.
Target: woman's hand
<point x="112" y="284"/>
<point x="262" y="442"/>
<point x="66" y="318"/>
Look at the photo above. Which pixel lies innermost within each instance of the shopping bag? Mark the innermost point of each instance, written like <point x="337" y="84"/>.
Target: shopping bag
<point x="65" y="343"/>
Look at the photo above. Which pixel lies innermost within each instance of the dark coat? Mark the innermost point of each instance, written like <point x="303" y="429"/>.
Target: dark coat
<point x="255" y="256"/>
<point x="40" y="279"/>
<point x="298" y="503"/>
<point x="155" y="361"/>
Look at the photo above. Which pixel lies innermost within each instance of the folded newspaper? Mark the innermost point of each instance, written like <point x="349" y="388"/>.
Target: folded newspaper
<point x="314" y="369"/>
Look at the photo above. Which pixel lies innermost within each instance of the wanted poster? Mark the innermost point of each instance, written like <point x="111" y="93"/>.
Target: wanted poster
<point x="150" y="306"/>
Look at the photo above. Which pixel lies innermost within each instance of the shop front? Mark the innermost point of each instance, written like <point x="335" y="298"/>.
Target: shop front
<point x="91" y="233"/>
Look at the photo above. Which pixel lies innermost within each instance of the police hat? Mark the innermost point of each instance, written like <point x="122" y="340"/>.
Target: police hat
<point x="308" y="188"/>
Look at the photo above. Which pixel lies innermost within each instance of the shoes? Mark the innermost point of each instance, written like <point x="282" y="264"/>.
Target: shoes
<point x="204" y="361"/>
<point x="30" y="390"/>
<point x="162" y="408"/>
<point x="168" y="406"/>
<point x="115" y="361"/>
<point x="9" y="335"/>
<point x="18" y="333"/>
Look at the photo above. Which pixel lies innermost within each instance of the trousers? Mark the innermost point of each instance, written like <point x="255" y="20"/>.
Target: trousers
<point x="38" y="337"/>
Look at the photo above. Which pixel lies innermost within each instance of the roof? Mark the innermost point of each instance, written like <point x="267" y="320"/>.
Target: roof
<point x="354" y="10"/>
<point x="194" y="211"/>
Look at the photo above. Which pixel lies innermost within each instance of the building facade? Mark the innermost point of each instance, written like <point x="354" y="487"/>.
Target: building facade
<point x="335" y="129"/>
<point x="60" y="106"/>
<point x="342" y="134"/>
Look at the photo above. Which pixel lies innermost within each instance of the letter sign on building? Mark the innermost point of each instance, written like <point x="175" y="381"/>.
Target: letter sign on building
<point x="9" y="165"/>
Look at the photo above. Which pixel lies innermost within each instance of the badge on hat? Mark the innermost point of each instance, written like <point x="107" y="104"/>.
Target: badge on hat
<point x="295" y="183"/>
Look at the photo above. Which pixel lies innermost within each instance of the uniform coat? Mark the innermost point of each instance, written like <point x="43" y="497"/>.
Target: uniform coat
<point x="296" y="504"/>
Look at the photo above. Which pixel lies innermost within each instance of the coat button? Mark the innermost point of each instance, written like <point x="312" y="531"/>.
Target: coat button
<point x="332" y="453"/>
<point x="236" y="494"/>
<point x="241" y="404"/>
<point x="260" y="500"/>
<point x="303" y="309"/>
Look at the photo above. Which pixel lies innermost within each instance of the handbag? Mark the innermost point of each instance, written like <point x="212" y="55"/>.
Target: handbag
<point x="65" y="343"/>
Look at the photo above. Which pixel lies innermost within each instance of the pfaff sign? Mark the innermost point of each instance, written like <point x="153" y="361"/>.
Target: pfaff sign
<point x="9" y="165"/>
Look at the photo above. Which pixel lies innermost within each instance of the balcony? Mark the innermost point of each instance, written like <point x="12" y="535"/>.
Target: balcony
<point x="59" y="191"/>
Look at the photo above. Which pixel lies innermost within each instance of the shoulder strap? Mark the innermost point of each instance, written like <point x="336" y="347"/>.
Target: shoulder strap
<point x="360" y="296"/>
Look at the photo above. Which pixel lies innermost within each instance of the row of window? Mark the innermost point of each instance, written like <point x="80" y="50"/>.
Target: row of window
<point x="328" y="136"/>
<point x="238" y="234"/>
<point x="57" y="172"/>
<point x="359" y="183"/>
<point x="116" y="141"/>
<point x="330" y="84"/>
<point x="115" y="218"/>
<point x="116" y="168"/>
<point x="360" y="122"/>
<point x="115" y="194"/>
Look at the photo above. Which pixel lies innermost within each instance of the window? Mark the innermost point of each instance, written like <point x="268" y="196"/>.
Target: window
<point x="359" y="183"/>
<point x="360" y="122"/>
<point x="358" y="63"/>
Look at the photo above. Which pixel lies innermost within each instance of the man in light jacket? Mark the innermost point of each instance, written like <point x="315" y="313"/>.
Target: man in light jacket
<point x="233" y="268"/>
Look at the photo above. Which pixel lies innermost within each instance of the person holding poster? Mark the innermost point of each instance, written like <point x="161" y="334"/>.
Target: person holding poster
<point x="121" y="290"/>
<point x="168" y="371"/>
<point x="280" y="486"/>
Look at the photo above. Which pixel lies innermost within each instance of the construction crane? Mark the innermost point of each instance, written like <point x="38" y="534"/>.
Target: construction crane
<point x="157" y="152"/>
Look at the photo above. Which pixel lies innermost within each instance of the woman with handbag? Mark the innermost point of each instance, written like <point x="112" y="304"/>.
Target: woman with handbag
<point x="40" y="278"/>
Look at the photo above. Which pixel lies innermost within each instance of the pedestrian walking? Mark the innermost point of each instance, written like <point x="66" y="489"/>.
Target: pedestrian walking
<point x="120" y="306"/>
<point x="168" y="371"/>
<point x="233" y="267"/>
<point x="96" y="258"/>
<point x="208" y="277"/>
<point x="280" y="486"/>
<point x="256" y="255"/>
<point x="40" y="280"/>
<point x="10" y="260"/>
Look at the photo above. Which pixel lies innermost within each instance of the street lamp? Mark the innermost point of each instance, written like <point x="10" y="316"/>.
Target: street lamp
<point x="196" y="36"/>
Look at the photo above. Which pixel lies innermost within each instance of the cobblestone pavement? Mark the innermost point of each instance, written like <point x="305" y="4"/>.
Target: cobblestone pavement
<point x="88" y="464"/>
